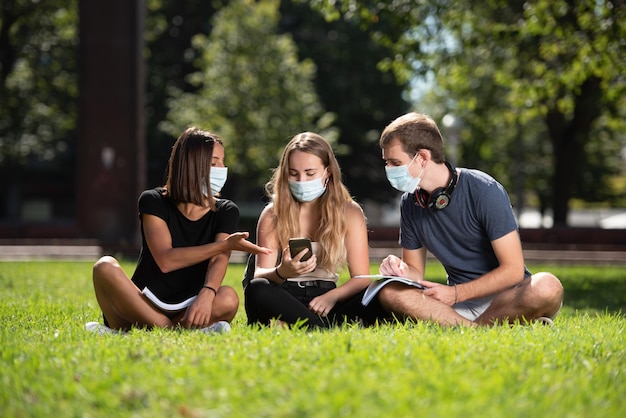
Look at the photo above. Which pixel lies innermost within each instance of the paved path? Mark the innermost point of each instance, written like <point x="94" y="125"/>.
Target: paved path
<point x="543" y="256"/>
<point x="9" y="253"/>
<point x="50" y="252"/>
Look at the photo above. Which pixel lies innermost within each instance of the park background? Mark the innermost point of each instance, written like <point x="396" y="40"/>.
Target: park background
<point x="94" y="93"/>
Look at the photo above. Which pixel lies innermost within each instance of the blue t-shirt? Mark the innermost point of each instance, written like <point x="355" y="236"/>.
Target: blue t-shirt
<point x="180" y="284"/>
<point x="460" y="235"/>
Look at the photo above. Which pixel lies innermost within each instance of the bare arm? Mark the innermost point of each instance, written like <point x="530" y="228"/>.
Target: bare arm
<point x="169" y="258"/>
<point x="199" y="313"/>
<point x="508" y="250"/>
<point x="267" y="237"/>
<point x="358" y="262"/>
<point x="266" y="263"/>
<point x="412" y="265"/>
<point x="358" y="252"/>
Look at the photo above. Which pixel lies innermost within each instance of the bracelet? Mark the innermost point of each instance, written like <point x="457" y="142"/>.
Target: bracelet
<point x="210" y="288"/>
<point x="278" y="274"/>
<point x="456" y="294"/>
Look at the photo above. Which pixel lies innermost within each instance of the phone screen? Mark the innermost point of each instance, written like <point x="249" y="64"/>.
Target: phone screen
<point x="296" y="245"/>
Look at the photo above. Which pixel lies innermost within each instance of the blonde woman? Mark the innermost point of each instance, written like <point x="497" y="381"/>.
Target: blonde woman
<point x="309" y="200"/>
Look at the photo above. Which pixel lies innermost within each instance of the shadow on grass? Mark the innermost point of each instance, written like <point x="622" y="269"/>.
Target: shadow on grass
<point x="598" y="294"/>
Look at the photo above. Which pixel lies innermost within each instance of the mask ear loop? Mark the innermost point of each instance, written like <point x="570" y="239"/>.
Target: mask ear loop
<point x="327" y="178"/>
<point x="412" y="160"/>
<point x="421" y="172"/>
<point x="419" y="176"/>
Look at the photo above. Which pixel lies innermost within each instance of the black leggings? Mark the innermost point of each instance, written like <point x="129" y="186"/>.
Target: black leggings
<point x="290" y="303"/>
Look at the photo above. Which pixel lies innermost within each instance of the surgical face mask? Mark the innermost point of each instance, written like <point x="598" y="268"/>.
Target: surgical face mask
<point x="307" y="191"/>
<point x="218" y="178"/>
<point x="401" y="179"/>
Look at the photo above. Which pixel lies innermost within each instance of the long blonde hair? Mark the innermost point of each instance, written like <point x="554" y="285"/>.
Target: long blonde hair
<point x="332" y="223"/>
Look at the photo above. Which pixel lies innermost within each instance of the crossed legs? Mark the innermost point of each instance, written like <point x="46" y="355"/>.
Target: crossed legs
<point x="540" y="295"/>
<point x="410" y="303"/>
<point x="123" y="304"/>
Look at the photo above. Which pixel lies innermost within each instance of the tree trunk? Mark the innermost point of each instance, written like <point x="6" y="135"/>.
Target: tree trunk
<point x="568" y="139"/>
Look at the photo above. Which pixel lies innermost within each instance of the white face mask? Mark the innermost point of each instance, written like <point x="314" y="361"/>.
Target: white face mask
<point x="218" y="178"/>
<point x="307" y="191"/>
<point x="401" y="179"/>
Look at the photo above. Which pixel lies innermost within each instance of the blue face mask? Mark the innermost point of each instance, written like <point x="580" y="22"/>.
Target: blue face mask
<point x="401" y="179"/>
<point x="218" y="178"/>
<point x="307" y="191"/>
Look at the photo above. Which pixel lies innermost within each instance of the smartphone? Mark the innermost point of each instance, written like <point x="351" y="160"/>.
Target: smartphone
<point x="296" y="245"/>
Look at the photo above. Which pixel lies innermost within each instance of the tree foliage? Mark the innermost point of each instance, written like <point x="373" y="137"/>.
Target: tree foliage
<point x="352" y="85"/>
<point x="541" y="79"/>
<point x="554" y="66"/>
<point x="38" y="78"/>
<point x="170" y="26"/>
<point x="251" y="89"/>
<point x="348" y="82"/>
<point x="38" y="91"/>
<point x="538" y="85"/>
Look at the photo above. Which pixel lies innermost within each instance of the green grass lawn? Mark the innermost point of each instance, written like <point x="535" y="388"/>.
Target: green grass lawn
<point x="51" y="367"/>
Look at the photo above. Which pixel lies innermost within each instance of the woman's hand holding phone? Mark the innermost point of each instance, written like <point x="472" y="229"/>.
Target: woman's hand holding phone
<point x="298" y="257"/>
<point x="297" y="245"/>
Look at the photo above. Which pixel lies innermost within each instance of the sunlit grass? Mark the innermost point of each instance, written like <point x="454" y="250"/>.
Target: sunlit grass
<point x="52" y="367"/>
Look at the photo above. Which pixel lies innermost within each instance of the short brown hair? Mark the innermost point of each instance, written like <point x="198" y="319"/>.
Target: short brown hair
<point x="415" y="131"/>
<point x="189" y="168"/>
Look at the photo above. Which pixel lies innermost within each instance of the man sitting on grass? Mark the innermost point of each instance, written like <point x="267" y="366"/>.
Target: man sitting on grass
<point x="464" y="218"/>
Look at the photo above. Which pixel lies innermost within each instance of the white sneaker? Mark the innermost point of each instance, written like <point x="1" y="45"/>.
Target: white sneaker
<point x="544" y="320"/>
<point x="98" y="328"/>
<point x="220" y="327"/>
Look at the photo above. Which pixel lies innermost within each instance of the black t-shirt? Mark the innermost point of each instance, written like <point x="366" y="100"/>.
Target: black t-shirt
<point x="181" y="284"/>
